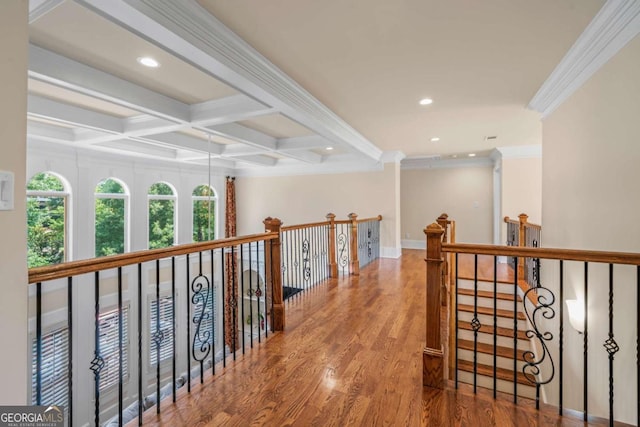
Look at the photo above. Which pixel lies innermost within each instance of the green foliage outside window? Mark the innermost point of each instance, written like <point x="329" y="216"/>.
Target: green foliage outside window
<point x="110" y="213"/>
<point x="204" y="212"/>
<point x="45" y="221"/>
<point x="161" y="217"/>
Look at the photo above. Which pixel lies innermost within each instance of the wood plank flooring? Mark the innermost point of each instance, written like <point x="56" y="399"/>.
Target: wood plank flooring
<point x="351" y="355"/>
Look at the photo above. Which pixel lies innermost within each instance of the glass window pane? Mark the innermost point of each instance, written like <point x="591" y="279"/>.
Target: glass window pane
<point x="160" y="188"/>
<point x="109" y="226"/>
<point x="45" y="230"/>
<point x="203" y="220"/>
<point x="45" y="182"/>
<point x="161" y="214"/>
<point x="110" y="186"/>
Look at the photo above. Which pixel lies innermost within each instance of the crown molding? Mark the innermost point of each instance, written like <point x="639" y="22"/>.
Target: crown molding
<point x="435" y="162"/>
<point x="345" y="163"/>
<point x="617" y="22"/>
<point x="187" y="30"/>
<point x="519" y="152"/>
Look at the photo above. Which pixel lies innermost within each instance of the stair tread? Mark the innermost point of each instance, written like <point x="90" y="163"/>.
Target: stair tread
<point x="503" y="332"/>
<point x="488" y="294"/>
<point x="489" y="311"/>
<point x="488" y="349"/>
<point x="487" y="371"/>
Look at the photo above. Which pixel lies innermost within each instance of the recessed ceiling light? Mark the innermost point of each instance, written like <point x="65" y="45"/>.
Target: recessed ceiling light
<point x="329" y="148"/>
<point x="454" y="156"/>
<point x="426" y="101"/>
<point x="148" y="61"/>
<point x="472" y="154"/>
<point x="435" y="139"/>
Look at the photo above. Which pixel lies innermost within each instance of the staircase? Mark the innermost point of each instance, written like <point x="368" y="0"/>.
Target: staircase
<point x="504" y="321"/>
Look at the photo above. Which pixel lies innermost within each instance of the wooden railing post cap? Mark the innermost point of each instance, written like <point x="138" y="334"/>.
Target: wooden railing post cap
<point x="506" y="219"/>
<point x="379" y="217"/>
<point x="331" y="216"/>
<point x="433" y="228"/>
<point x="523" y="217"/>
<point x="272" y="224"/>
<point x="353" y="216"/>
<point x="443" y="216"/>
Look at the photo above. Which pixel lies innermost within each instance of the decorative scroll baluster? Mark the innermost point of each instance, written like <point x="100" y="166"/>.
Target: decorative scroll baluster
<point x="610" y="345"/>
<point x="543" y="309"/>
<point x="475" y="322"/>
<point x="201" y="346"/>
<point x="98" y="362"/>
<point x="157" y="337"/>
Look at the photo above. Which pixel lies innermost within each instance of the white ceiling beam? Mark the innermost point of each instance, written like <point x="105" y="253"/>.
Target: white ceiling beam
<point x="187" y="142"/>
<point x="39" y="8"/>
<point x="189" y="31"/>
<point x="51" y="133"/>
<point x="232" y="150"/>
<point x="38" y="106"/>
<point x="61" y="71"/>
<point x="226" y="110"/>
<point x="139" y="147"/>
<point x="244" y="135"/>
<point x="260" y="160"/>
<point x="305" y="156"/>
<point x="302" y="143"/>
<point x="148" y="125"/>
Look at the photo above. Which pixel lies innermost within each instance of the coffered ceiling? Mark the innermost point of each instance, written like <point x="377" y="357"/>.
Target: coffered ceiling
<point x="294" y="83"/>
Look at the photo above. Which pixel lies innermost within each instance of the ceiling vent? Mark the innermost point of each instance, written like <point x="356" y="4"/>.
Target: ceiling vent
<point x="490" y="138"/>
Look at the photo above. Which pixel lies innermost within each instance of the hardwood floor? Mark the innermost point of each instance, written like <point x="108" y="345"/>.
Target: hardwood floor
<point x="351" y="355"/>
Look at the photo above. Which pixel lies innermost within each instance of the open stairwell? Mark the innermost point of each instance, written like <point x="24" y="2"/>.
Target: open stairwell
<point x="507" y="348"/>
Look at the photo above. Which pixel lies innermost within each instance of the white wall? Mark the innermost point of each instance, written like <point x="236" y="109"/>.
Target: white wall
<point x="302" y="199"/>
<point x="84" y="169"/>
<point x="14" y="366"/>
<point x="465" y="194"/>
<point x="590" y="201"/>
<point x="521" y="190"/>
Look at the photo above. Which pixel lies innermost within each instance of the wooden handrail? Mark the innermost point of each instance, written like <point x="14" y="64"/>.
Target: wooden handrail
<point x="508" y="220"/>
<point x="545" y="253"/>
<point x="308" y="225"/>
<point x="74" y="268"/>
<point x="343" y="221"/>
<point x="375" y="218"/>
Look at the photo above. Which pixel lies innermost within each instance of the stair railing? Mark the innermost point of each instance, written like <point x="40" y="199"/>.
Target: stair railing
<point x="524" y="234"/>
<point x="542" y="365"/>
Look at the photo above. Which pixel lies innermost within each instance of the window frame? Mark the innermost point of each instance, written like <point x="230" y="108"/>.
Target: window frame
<point x="173" y="197"/>
<point x="127" y="206"/>
<point x="65" y="195"/>
<point x="214" y="199"/>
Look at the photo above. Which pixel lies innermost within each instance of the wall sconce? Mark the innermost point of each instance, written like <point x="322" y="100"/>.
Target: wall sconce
<point x="576" y="314"/>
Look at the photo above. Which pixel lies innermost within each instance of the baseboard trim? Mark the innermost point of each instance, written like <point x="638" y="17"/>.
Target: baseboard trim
<point x="390" y="252"/>
<point x="414" y="244"/>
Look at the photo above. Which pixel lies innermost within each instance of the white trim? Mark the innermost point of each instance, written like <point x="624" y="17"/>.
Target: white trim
<point x="392" y="156"/>
<point x="520" y="151"/>
<point x="332" y="165"/>
<point x="39" y="8"/>
<point x="414" y="244"/>
<point x="187" y="30"/>
<point x="390" y="252"/>
<point x="617" y="23"/>
<point x="435" y="162"/>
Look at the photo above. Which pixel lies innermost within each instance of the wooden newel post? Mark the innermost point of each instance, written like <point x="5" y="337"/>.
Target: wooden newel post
<point x="433" y="360"/>
<point x="355" y="264"/>
<point x="333" y="261"/>
<point x="273" y="272"/>
<point x="522" y="242"/>
<point x="443" y="221"/>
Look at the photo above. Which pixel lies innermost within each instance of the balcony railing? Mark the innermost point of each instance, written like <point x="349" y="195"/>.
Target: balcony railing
<point x="114" y="336"/>
<point x="594" y="369"/>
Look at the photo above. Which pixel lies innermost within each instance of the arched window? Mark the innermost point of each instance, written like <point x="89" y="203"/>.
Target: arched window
<point x="162" y="213"/>
<point x="46" y="220"/>
<point x="204" y="213"/>
<point x="112" y="205"/>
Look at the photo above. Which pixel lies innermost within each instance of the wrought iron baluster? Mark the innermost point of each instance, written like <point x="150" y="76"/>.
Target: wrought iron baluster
<point x="610" y="345"/>
<point x="140" y="397"/>
<point x="515" y="334"/>
<point x="268" y="313"/>
<point x="257" y="292"/>
<point x="250" y="294"/>
<point x="120" y="347"/>
<point x="98" y="362"/>
<point x="456" y="328"/>
<point x="214" y="318"/>
<point x="561" y="341"/>
<point x="188" y="325"/>
<point x="157" y="337"/>
<point x="242" y="293"/>
<point x="201" y="288"/>
<point x="234" y="303"/>
<point x="70" y="348"/>
<point x="224" y="317"/>
<point x="586" y="344"/>
<point x="475" y="323"/>
<point x="495" y="324"/>
<point x="39" y="343"/>
<point x="638" y="343"/>
<point x="173" y="327"/>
